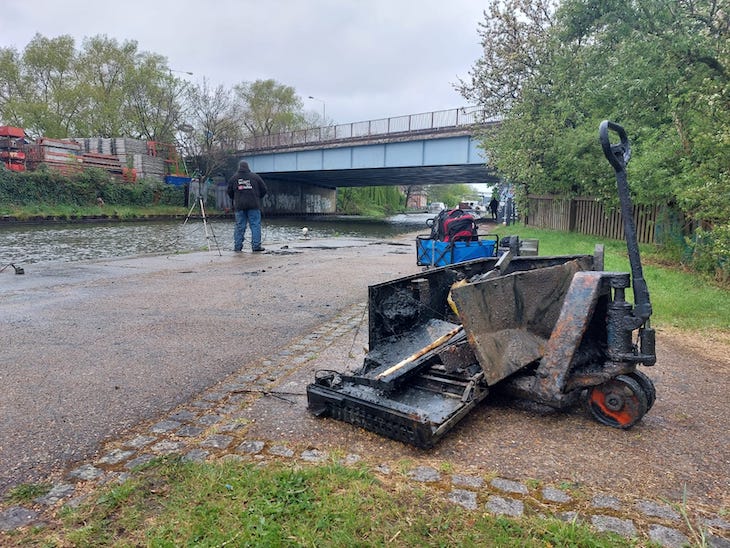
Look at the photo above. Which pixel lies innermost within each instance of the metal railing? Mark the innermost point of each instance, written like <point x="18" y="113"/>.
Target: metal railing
<point x="410" y="123"/>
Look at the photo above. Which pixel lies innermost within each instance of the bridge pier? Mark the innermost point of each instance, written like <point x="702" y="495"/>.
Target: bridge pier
<point x="290" y="198"/>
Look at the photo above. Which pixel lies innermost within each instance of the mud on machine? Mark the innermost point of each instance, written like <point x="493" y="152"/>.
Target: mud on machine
<point x="556" y="330"/>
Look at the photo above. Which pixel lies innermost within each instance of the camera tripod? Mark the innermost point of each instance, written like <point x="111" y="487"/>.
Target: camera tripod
<point x="199" y="202"/>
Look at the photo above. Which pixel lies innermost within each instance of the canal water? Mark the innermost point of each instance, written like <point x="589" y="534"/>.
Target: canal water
<point x="29" y="244"/>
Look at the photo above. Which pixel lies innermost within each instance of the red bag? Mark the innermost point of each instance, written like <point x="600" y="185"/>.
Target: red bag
<point x="459" y="226"/>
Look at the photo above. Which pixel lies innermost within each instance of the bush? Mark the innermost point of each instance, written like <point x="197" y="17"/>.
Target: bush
<point x="711" y="252"/>
<point x="49" y="187"/>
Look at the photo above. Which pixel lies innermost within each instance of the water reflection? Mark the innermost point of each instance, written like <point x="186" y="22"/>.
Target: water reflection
<point x="74" y="242"/>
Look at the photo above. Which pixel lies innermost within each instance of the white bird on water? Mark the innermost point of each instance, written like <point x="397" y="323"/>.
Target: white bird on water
<point x="305" y="233"/>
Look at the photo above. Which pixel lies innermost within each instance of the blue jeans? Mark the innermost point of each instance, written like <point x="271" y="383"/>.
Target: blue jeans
<point x="253" y="218"/>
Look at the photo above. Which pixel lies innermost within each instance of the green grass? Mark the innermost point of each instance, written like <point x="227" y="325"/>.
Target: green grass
<point x="69" y="212"/>
<point x="680" y="298"/>
<point x="175" y="503"/>
<point x="26" y="492"/>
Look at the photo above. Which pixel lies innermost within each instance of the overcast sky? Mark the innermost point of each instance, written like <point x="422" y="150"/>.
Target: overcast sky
<point x="362" y="59"/>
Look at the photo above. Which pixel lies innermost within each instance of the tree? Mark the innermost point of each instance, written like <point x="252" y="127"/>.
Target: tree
<point x="112" y="89"/>
<point x="514" y="37"/>
<point x="411" y="191"/>
<point x="154" y="100"/>
<point x="44" y="89"/>
<point x="269" y="107"/>
<point x="107" y="89"/>
<point x="373" y="201"/>
<point x="213" y="129"/>
<point x="9" y="86"/>
<point x="105" y="69"/>
<point x="658" y="68"/>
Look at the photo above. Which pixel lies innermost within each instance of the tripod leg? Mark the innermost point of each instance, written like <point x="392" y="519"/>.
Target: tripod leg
<point x="205" y="225"/>
<point x="205" y="222"/>
<point x="189" y="213"/>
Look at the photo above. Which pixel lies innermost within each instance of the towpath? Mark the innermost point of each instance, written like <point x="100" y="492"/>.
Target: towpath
<point x="93" y="348"/>
<point x="105" y="364"/>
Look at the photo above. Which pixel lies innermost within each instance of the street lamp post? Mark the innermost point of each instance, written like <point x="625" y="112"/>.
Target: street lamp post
<point x="324" y="111"/>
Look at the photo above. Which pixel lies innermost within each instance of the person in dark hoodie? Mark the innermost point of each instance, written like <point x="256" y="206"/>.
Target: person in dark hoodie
<point x="246" y="189"/>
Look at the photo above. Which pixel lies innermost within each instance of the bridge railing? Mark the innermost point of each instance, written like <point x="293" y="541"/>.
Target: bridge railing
<point x="409" y="123"/>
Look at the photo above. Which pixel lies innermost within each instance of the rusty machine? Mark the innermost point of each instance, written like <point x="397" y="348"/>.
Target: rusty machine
<point x="553" y="330"/>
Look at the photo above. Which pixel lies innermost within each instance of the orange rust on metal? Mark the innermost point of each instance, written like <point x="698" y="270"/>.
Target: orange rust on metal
<point x="577" y="310"/>
<point x="619" y="402"/>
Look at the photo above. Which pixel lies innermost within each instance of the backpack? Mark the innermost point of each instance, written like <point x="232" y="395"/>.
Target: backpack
<point x="437" y="225"/>
<point x="459" y="226"/>
<point x="452" y="225"/>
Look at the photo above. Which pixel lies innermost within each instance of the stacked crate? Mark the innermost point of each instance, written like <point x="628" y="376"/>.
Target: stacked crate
<point x="142" y="157"/>
<point x="107" y="162"/>
<point x="150" y="167"/>
<point x="124" y="147"/>
<point x="89" y="144"/>
<point x="124" y="158"/>
<point x="12" y="142"/>
<point x="63" y="155"/>
<point x="136" y="159"/>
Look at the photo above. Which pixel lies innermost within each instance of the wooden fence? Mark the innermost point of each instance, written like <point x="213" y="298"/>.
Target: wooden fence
<point x="589" y="216"/>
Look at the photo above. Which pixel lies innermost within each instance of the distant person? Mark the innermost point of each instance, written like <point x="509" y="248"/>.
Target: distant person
<point x="493" y="206"/>
<point x="246" y="189"/>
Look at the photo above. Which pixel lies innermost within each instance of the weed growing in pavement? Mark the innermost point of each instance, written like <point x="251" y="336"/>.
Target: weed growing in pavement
<point x="446" y="467"/>
<point x="697" y="532"/>
<point x="26" y="492"/>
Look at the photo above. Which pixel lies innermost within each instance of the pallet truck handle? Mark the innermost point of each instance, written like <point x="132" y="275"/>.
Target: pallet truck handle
<point x="618" y="156"/>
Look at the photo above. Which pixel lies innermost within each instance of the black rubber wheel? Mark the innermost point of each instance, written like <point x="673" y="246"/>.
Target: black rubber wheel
<point x="647" y="386"/>
<point x="619" y="402"/>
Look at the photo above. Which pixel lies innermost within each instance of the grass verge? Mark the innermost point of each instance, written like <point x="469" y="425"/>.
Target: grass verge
<point x="69" y="212"/>
<point x="174" y="503"/>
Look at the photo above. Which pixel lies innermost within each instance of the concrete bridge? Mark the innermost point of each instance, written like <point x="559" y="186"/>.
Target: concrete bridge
<point x="304" y="168"/>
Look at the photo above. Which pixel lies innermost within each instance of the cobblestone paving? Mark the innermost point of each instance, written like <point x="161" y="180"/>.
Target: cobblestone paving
<point x="210" y="427"/>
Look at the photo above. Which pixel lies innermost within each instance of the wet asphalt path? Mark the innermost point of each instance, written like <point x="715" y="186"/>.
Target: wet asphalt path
<point x="90" y="349"/>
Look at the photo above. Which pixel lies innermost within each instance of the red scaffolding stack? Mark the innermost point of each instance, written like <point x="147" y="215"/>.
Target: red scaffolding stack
<point x="125" y="159"/>
<point x="60" y="154"/>
<point x="12" y="141"/>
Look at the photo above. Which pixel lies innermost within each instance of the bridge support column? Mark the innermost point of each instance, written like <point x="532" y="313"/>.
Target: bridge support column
<point x="287" y="198"/>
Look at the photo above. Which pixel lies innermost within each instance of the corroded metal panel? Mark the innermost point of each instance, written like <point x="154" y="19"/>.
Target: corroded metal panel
<point x="509" y="319"/>
<point x="568" y="332"/>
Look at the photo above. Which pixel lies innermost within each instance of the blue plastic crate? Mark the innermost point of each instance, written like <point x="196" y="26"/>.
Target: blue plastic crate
<point x="430" y="252"/>
<point x="177" y="180"/>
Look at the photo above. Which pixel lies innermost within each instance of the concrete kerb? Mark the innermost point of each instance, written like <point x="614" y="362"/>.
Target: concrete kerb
<point x="212" y="426"/>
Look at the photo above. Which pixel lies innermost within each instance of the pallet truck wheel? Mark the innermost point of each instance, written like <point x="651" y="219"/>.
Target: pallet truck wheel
<point x="619" y="402"/>
<point x="647" y="385"/>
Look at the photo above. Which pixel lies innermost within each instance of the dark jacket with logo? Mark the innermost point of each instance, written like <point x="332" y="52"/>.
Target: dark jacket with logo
<point x="246" y="188"/>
